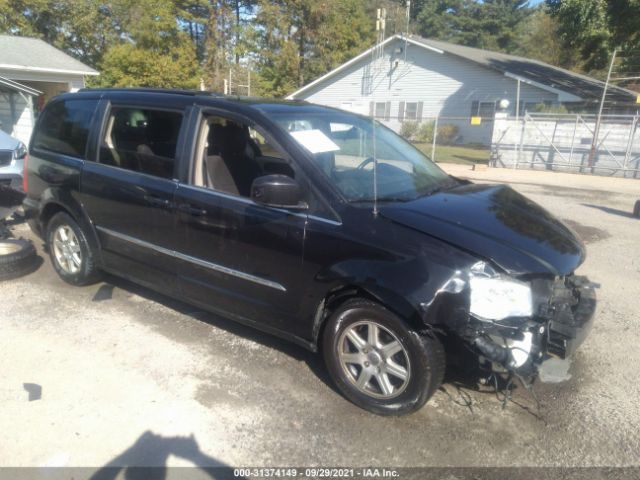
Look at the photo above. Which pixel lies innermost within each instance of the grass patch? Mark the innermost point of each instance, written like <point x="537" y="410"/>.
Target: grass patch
<point x="463" y="154"/>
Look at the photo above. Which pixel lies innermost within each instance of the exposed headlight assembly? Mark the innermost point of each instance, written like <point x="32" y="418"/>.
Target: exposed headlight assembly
<point x="495" y="296"/>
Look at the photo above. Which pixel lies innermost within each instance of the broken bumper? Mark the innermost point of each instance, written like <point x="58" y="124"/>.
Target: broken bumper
<point x="570" y="324"/>
<point x="565" y="319"/>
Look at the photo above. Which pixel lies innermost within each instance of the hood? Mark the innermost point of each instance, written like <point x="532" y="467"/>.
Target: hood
<point x="496" y="223"/>
<point x="7" y="142"/>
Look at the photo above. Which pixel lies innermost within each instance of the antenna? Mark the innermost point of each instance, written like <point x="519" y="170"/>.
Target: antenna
<point x="406" y="33"/>
<point x="596" y="130"/>
<point x="381" y="16"/>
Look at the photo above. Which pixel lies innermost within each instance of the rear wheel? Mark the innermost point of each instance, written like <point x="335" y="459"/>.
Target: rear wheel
<point x="71" y="255"/>
<point x="378" y="362"/>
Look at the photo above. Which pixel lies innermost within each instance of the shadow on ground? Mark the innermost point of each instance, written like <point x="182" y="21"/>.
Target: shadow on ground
<point x="612" y="211"/>
<point x="313" y="360"/>
<point x="147" y="458"/>
<point x="462" y="370"/>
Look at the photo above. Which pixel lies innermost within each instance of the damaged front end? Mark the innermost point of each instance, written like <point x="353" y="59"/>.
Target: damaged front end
<point x="514" y="325"/>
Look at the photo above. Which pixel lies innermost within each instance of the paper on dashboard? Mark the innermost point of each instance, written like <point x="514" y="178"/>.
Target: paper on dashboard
<point x="315" y="141"/>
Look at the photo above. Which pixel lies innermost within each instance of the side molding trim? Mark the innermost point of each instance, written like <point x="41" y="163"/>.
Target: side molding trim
<point x="194" y="260"/>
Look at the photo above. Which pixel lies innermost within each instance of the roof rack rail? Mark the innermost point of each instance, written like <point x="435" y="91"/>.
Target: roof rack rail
<point x="153" y="90"/>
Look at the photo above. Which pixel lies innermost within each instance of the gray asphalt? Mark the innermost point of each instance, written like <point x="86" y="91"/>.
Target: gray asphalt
<point x="132" y="376"/>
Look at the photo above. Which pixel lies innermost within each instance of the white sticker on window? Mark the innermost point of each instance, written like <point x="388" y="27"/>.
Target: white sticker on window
<point x="315" y="141"/>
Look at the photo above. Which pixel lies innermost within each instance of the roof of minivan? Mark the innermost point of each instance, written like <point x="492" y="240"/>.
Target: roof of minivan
<point x="271" y="104"/>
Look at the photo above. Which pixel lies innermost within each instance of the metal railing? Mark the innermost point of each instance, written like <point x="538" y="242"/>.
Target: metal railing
<point x="566" y="142"/>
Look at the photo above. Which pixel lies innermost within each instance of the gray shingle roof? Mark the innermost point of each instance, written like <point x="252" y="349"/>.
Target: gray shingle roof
<point x="33" y="53"/>
<point x="583" y="86"/>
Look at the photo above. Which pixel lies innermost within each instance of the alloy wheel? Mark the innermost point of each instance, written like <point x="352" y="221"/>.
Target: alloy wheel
<point x="374" y="360"/>
<point x="66" y="249"/>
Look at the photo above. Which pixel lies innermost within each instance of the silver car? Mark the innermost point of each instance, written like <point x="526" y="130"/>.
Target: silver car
<point x="12" y="155"/>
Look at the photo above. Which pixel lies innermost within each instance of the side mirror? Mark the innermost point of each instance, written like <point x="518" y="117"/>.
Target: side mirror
<point x="278" y="191"/>
<point x="21" y="151"/>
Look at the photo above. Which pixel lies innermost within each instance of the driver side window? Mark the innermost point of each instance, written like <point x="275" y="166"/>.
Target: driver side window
<point x="231" y="155"/>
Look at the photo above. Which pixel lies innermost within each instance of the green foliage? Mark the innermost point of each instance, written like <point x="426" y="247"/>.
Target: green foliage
<point x="490" y="24"/>
<point x="447" y="134"/>
<point x="409" y="129"/>
<point x="288" y="43"/>
<point x="584" y="24"/>
<point x="425" y="132"/>
<point x="128" y="65"/>
<point x="596" y="27"/>
<point x="539" y="39"/>
<point x="543" y="108"/>
<point x="157" y="53"/>
<point x="298" y="40"/>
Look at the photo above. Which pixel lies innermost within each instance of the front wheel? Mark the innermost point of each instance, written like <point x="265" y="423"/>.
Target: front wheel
<point x="378" y="362"/>
<point x="71" y="254"/>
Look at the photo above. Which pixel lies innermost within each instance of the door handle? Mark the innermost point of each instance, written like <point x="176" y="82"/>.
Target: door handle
<point x="158" y="201"/>
<point x="192" y="210"/>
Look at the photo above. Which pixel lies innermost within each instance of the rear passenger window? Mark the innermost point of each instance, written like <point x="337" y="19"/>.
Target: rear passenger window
<point x="64" y="127"/>
<point x="142" y="140"/>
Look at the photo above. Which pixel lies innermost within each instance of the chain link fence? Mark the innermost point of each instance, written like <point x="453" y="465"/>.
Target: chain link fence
<point x="447" y="139"/>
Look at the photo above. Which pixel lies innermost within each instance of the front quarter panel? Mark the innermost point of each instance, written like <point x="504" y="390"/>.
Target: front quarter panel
<point x="402" y="269"/>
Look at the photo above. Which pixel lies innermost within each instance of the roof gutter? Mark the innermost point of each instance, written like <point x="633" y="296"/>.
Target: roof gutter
<point x="47" y="70"/>
<point x="19" y="87"/>
<point x="562" y="95"/>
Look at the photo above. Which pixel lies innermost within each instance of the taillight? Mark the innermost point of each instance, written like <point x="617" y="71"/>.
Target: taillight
<point x="25" y="172"/>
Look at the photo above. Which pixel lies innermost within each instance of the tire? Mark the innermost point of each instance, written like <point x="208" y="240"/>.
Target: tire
<point x="421" y="359"/>
<point x="17" y="258"/>
<point x="72" y="257"/>
<point x="636" y="209"/>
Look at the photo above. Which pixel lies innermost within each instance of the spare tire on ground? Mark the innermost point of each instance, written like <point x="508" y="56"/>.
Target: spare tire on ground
<point x="17" y="258"/>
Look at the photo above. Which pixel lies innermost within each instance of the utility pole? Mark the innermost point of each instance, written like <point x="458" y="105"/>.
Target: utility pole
<point x="596" y="132"/>
<point x="248" y="84"/>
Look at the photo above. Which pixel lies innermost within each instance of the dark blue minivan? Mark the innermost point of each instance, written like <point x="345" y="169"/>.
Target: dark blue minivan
<point x="310" y="223"/>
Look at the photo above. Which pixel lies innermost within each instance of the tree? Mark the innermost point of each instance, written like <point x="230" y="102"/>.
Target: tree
<point x="491" y="24"/>
<point x="539" y="38"/>
<point x="155" y="52"/>
<point x="596" y="27"/>
<point x="584" y="25"/>
<point x="33" y="18"/>
<point x="298" y="40"/>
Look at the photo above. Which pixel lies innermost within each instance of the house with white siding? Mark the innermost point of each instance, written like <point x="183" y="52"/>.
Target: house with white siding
<point x="410" y="78"/>
<point x="32" y="72"/>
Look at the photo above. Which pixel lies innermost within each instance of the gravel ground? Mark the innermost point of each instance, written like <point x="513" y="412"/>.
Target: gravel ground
<point x="130" y="377"/>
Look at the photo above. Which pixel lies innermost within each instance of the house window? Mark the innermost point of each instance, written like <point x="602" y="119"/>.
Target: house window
<point x="381" y="109"/>
<point x="486" y="110"/>
<point x="411" y="110"/>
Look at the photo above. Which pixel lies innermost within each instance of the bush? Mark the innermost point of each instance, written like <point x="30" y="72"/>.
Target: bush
<point x="447" y="134"/>
<point x="409" y="129"/>
<point x="543" y="108"/>
<point x="425" y="132"/>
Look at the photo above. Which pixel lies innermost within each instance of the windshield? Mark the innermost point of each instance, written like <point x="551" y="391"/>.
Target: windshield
<point x="344" y="146"/>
